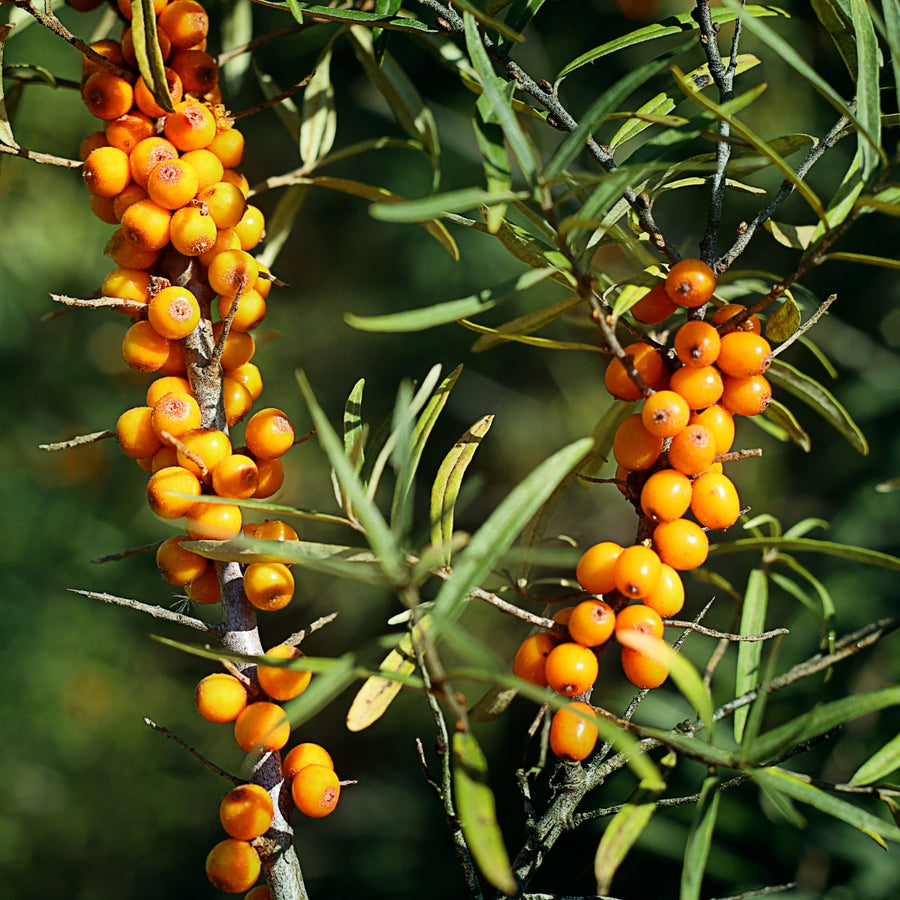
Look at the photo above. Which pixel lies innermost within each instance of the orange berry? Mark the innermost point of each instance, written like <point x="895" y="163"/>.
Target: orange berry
<point x="315" y="790"/>
<point x="204" y="589"/>
<point x="226" y="204"/>
<point x="666" y="495"/>
<point x="596" y="568"/>
<point x="106" y="95"/>
<point x="163" y="457"/>
<point x="197" y="70"/>
<point x="647" y="363"/>
<point x="743" y="353"/>
<point x="147" y="224"/>
<point x="715" y="501"/>
<point x="148" y="154"/>
<point x="202" y="450"/>
<point x="246" y="812"/>
<point x="250" y="311"/>
<point x="530" y="661"/>
<point x="175" y="363"/>
<point x="633" y="446"/>
<point x="144" y="348"/>
<point x="91" y="142"/>
<point x="236" y="476"/>
<point x="220" y="697"/>
<point x="163" y="488"/>
<point x="191" y="232"/>
<point x="174" y="312"/>
<point x="572" y="737"/>
<point x="271" y="477"/>
<point x="177" y="565"/>
<point x="104" y="209"/>
<point x="643" y="671"/>
<point x="172" y="184"/>
<point x="268" y="586"/>
<point x="129" y="130"/>
<point x="720" y="422"/>
<point x="306" y="754"/>
<point x="128" y="255"/>
<point x="148" y="104"/>
<point x="206" y="164"/>
<point x="723" y="315"/>
<point x="239" y="347"/>
<point x="260" y="892"/>
<point x="701" y="386"/>
<point x="226" y="239"/>
<point x="106" y="172"/>
<point x="264" y="283"/>
<point x="697" y="344"/>
<point x="654" y="307"/>
<point x="692" y="450"/>
<point x="175" y="413"/>
<point x="192" y="126"/>
<point x="591" y="622"/>
<point x="269" y="433"/>
<point x="667" y="598"/>
<point x="248" y="375"/>
<point x="282" y="683"/>
<point x="251" y="228"/>
<point x="236" y="399"/>
<point x="131" y="194"/>
<point x="134" y="431"/>
<point x="261" y="726"/>
<point x="665" y="413"/>
<point x="213" y="521"/>
<point x="228" y="145"/>
<point x="109" y="49"/>
<point x="233" y="866"/>
<point x="746" y="396"/>
<point x="232" y="270"/>
<point x="690" y="283"/>
<point x="636" y="571"/>
<point x="128" y="284"/>
<point x="681" y="544"/>
<point x="185" y="22"/>
<point x="125" y="7"/>
<point x="571" y="668"/>
<point x="276" y="530"/>
<point x="639" y="617"/>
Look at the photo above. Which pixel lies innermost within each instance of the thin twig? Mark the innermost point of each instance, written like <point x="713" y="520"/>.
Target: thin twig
<point x="98" y="302"/>
<point x="809" y="323"/>
<point x="158" y="612"/>
<point x="124" y="554"/>
<point x="299" y="636"/>
<point x="79" y="441"/>
<point x="195" y="753"/>
<point x="259" y="41"/>
<point x="48" y="159"/>
<point x="272" y="101"/>
<point x="724" y="635"/>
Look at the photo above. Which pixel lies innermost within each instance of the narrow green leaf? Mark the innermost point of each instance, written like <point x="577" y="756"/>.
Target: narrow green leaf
<point x="784" y="419"/>
<point x="878" y="766"/>
<point x="449" y="311"/>
<point x="380" y="35"/>
<point x="6" y="135"/>
<point x="319" y="125"/>
<point x="236" y="30"/>
<point x="886" y="201"/>
<point x="783" y="805"/>
<point x="378" y="533"/>
<point x="495" y="162"/>
<point x="149" y="56"/>
<point x="521" y="12"/>
<point x="476" y="809"/>
<point x="526" y="324"/>
<point x="808" y="545"/>
<point x="696" y="853"/>
<point x="399" y="210"/>
<point x="867" y="259"/>
<point x="536" y="255"/>
<point x="447" y="482"/>
<point x="660" y="105"/>
<point x="354" y="430"/>
<point x="797" y="788"/>
<point x="784" y="321"/>
<point x="500" y="337"/>
<point x="868" y="87"/>
<point x="281" y="223"/>
<point x="820" y="399"/>
<point x="797" y="237"/>
<point x="839" y="27"/>
<point x="891" y="9"/>
<point x="356" y="17"/>
<point x="753" y="621"/>
<point x="323" y="689"/>
<point x="826" y="610"/>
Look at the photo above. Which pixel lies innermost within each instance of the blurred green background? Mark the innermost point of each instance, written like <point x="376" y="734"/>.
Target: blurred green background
<point x="98" y="805"/>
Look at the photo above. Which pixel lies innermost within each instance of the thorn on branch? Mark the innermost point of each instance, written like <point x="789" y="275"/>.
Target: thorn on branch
<point x="194" y="752"/>
<point x="124" y="554"/>
<point x="79" y="441"/>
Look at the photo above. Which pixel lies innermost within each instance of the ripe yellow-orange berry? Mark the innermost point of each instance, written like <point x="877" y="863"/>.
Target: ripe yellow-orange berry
<point x="636" y="571"/>
<point x="647" y="363"/>
<point x="261" y="726"/>
<point x="226" y="205"/>
<point x="192" y="126"/>
<point x="596" y="568"/>
<point x="174" y="312"/>
<point x="697" y="344"/>
<point x="106" y="95"/>
<point x="249" y="376"/>
<point x="746" y="396"/>
<point x="172" y="184"/>
<point x="239" y="347"/>
<point x="654" y="307"/>
<point x="248" y="313"/>
<point x="197" y="70"/>
<point x="134" y="431"/>
<point x="269" y="433"/>
<point x="251" y="228"/>
<point x="191" y="232"/>
<point x="106" y="172"/>
<point x="213" y="521"/>
<point x="147" y="155"/>
<point x="701" y="386"/>
<point x="715" y="500"/>
<point x="174" y="414"/>
<point x="233" y="866"/>
<point x="206" y="164"/>
<point x="236" y="476"/>
<point x="177" y="565"/>
<point x="220" y="697"/>
<point x="681" y="544"/>
<point x="236" y="399"/>
<point x="690" y="283"/>
<point x="276" y="530"/>
<point x="260" y="892"/>
<point x="692" y="450"/>
<point x="724" y="314"/>
<point x="148" y="104"/>
<point x="144" y="348"/>
<point x="643" y="671"/>
<point x="306" y="754"/>
<point x="228" y="145"/>
<point x="163" y="488"/>
<point x="147" y="224"/>
<point x="720" y="422"/>
<point x="282" y="683"/>
<point x="591" y="622"/>
<point x="226" y="239"/>
<point x="269" y="586"/>
<point x="743" y="353"/>
<point x="666" y="495"/>
<point x="104" y="209"/>
<point x="129" y="130"/>
<point x="665" y="413"/>
<point x="530" y="661"/>
<point x="165" y="385"/>
<point x="122" y="201"/>
<point x="667" y="598"/>
<point x="639" y="617"/>
<point x="246" y="812"/>
<point x="316" y="790"/>
<point x="571" y="668"/>
<point x="633" y="446"/>
<point x="128" y="255"/>
<point x="128" y="284"/>
<point x="271" y="477"/>
<point x="186" y="23"/>
<point x="202" y="450"/>
<point x="573" y="737"/>
<point x="204" y="589"/>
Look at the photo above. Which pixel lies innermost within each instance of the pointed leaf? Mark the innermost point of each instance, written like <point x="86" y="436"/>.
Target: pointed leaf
<point x="699" y="841"/>
<point x="784" y="321"/>
<point x="354" y="430"/>
<point x="149" y="56"/>
<point x="660" y="105"/>
<point x="281" y="223"/>
<point x="319" y="125"/>
<point x="837" y="23"/>
<point x="868" y="87"/>
<point x="808" y="545"/>
<point x="797" y="237"/>
<point x="525" y="324"/>
<point x="501" y="337"/>
<point x="891" y="9"/>
<point x="867" y="259"/>
<point x="356" y="17"/>
<point x="790" y="429"/>
<point x="878" y="766"/>
<point x="753" y="621"/>
<point x="399" y="210"/>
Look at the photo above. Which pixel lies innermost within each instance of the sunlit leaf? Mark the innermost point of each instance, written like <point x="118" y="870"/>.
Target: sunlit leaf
<point x="777" y="413"/>
<point x="660" y="105"/>
<point x="891" y="9"/>
<point x="867" y="259"/>
<point x="868" y="87"/>
<point x="356" y="17"/>
<point x="808" y="545"/>
<point x="784" y="321"/>
<point x="524" y="325"/>
<point x="319" y="125"/>
<point x="833" y="16"/>
<point x="699" y="839"/>
<point x="399" y="210"/>
<point x="797" y="237"/>
<point x="878" y="766"/>
<point x="753" y="621"/>
<point x="354" y="430"/>
<point x="543" y="343"/>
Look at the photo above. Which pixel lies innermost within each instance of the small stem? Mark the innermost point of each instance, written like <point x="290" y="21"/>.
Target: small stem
<point x="195" y="753"/>
<point x="79" y="441"/>
<point x="158" y="612"/>
<point x="725" y="635"/>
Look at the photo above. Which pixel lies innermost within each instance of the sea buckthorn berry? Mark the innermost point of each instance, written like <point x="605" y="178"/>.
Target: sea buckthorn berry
<point x="636" y="571"/>
<point x="262" y="726"/>
<point x="231" y="271"/>
<point x="106" y="171"/>
<point x="131" y="194"/>
<point x="162" y="40"/>
<point x="269" y="433"/>
<point x="697" y="344"/>
<point x="233" y="866"/>
<point x="135" y="434"/>
<point x="654" y="307"/>
<point x="251" y="228"/>
<point x="264" y="283"/>
<point x="144" y="348"/>
<point x="700" y="386"/>
<point x="106" y="95"/>
<point x="572" y="737"/>
<point x="665" y="413"/>
<point x="622" y="483"/>
<point x="271" y="477"/>
<point x="681" y="544"/>
<point x="720" y="422"/>
<point x="197" y="70"/>
<point x="206" y="164"/>
<point x="163" y="457"/>
<point x="690" y="283"/>
<point x="639" y="617"/>
<point x="109" y="49"/>
<point x="128" y="284"/>
<point x="192" y="126"/>
<point x="228" y="145"/>
<point x="281" y="683"/>
<point x="191" y="232"/>
<point x="723" y="315"/>
<point x="226" y="204"/>
<point x="666" y="495"/>
<point x="174" y="312"/>
<point x="202" y="450"/>
<point x="236" y="476"/>
<point x="633" y="446"/>
<point x="185" y="22"/>
<point x="129" y="130"/>
<point x="744" y="354"/>
<point x="147" y="224"/>
<point x="591" y="622"/>
<point x="204" y="589"/>
<point x="647" y="363"/>
<point x="91" y="142"/>
<point x="276" y="530"/>
<point x="316" y="790"/>
<point x="148" y="104"/>
<point x="238" y="179"/>
<point x="175" y="413"/>
<point x="239" y="347"/>
<point x="220" y="697"/>
<point x="236" y="400"/>
<point x="246" y="812"/>
<point x="692" y="451"/>
<point x="306" y="754"/>
<point x="596" y="568"/>
<point x="175" y="363"/>
<point x="249" y="376"/>
<point x="530" y="661"/>
<point x="177" y="565"/>
<point x="715" y="502"/>
<point x="746" y="396"/>
<point x="128" y="255"/>
<point x="103" y="208"/>
<point x="667" y="598"/>
<point x="643" y="671"/>
<point x="213" y="521"/>
<point x="268" y="586"/>
<point x="571" y="668"/>
<point x="172" y="184"/>
<point x="148" y="154"/>
<point x="250" y="311"/>
<point x="562" y="616"/>
<point x="226" y="239"/>
<point x="164" y="489"/>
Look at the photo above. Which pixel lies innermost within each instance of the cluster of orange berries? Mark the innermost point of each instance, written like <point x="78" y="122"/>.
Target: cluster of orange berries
<point x="669" y="463"/>
<point x="169" y="181"/>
